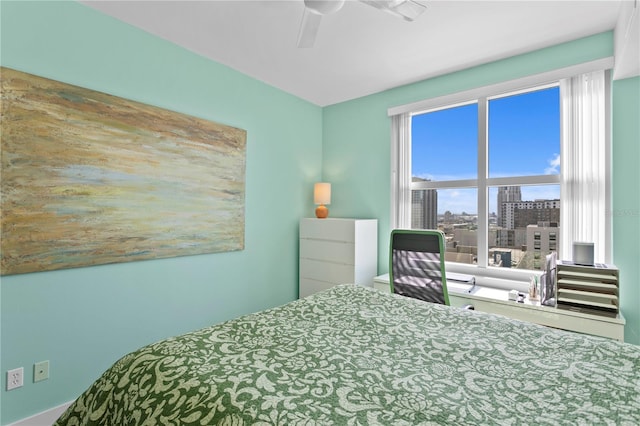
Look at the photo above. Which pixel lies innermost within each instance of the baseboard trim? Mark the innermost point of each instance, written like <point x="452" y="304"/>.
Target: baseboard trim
<point x="45" y="418"/>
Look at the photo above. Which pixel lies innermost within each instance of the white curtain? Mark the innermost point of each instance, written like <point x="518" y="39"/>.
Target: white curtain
<point x="401" y="171"/>
<point x="585" y="164"/>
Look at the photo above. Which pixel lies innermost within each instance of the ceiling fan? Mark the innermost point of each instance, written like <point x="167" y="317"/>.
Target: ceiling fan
<point x="315" y="9"/>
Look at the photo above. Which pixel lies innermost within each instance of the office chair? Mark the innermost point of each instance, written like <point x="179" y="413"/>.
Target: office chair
<point x="416" y="265"/>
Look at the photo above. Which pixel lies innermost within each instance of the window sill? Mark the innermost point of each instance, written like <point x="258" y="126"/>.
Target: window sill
<point x="500" y="278"/>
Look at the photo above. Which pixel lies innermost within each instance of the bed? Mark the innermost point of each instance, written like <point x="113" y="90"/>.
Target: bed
<point x="354" y="355"/>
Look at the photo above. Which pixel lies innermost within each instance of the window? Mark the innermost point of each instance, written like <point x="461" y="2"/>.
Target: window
<point x="488" y="167"/>
<point x="522" y="148"/>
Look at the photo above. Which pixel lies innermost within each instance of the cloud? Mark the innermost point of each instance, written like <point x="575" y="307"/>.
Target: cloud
<point x="426" y="176"/>
<point x="554" y="165"/>
<point x="444" y="177"/>
<point x="542" y="192"/>
<point x="458" y="200"/>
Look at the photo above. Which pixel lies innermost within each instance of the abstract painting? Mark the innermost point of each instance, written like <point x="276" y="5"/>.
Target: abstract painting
<point x="89" y="178"/>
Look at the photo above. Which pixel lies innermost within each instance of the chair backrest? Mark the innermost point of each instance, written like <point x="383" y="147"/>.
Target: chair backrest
<point x="416" y="265"/>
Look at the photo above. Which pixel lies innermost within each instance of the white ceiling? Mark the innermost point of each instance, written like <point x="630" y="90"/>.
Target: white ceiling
<point x="361" y="50"/>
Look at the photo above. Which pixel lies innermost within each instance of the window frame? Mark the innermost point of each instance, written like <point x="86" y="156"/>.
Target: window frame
<point x="483" y="182"/>
<point x="401" y="186"/>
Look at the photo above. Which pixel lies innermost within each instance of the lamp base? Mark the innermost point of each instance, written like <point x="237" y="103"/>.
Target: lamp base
<point x="322" y="211"/>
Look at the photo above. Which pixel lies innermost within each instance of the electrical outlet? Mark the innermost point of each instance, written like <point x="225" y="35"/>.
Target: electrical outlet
<point x="40" y="371"/>
<point x="15" y="378"/>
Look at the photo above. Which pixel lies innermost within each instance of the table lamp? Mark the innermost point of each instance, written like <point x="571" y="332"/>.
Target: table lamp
<point x="322" y="196"/>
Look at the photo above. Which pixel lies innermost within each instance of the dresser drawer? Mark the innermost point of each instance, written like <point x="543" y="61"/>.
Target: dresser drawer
<point x="331" y="251"/>
<point x="328" y="229"/>
<point x="309" y="286"/>
<point x="326" y="271"/>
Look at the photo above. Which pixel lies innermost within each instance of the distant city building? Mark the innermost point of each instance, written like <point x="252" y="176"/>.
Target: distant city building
<point x="525" y="225"/>
<point x="519" y="214"/>
<point x="424" y="207"/>
<point x="537" y="211"/>
<point x="542" y="239"/>
<point x="502" y="258"/>
<point x="462" y="245"/>
<point x="465" y="237"/>
<point x="509" y="237"/>
<point x="506" y="194"/>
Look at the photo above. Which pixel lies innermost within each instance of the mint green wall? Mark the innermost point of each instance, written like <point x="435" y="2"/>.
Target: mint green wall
<point x="82" y="320"/>
<point x="626" y="199"/>
<point x="356" y="150"/>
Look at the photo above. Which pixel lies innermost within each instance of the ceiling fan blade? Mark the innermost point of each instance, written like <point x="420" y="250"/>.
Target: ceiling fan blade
<point x="408" y="10"/>
<point x="308" y="28"/>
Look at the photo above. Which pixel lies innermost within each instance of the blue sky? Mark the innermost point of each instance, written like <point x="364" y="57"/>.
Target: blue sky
<point x="524" y="139"/>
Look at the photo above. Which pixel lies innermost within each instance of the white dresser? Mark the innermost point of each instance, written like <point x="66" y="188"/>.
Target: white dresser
<point x="337" y="251"/>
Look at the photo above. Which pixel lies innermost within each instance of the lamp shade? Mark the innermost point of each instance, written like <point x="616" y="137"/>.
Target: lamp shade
<point x="322" y="193"/>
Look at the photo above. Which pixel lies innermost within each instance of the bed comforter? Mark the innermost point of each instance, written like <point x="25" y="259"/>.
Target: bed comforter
<point x="353" y="355"/>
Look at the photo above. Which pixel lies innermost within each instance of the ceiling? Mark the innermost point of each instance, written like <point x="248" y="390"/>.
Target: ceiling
<point x="361" y="50"/>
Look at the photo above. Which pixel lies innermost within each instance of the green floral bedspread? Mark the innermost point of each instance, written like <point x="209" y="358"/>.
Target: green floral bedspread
<point x="353" y="355"/>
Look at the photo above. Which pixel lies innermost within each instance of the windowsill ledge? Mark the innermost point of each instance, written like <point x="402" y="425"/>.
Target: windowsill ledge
<point x="497" y="278"/>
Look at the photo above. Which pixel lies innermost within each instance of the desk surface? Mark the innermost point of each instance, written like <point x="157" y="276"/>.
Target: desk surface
<point x="500" y="296"/>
